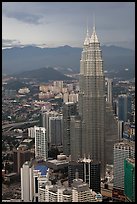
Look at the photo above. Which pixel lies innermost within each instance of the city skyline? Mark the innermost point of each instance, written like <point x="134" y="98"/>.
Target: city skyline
<point x="52" y="24"/>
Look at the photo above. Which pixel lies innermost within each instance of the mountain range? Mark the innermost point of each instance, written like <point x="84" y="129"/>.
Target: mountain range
<point x="16" y="60"/>
<point x="44" y="74"/>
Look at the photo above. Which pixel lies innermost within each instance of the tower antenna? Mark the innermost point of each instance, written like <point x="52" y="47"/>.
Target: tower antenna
<point x="87" y="25"/>
<point x="94" y="25"/>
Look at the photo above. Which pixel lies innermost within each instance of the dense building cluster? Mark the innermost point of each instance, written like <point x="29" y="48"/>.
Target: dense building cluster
<point x="81" y="146"/>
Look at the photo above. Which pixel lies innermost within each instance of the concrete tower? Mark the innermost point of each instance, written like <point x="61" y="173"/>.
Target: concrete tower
<point x="41" y="144"/>
<point x="69" y="109"/>
<point x="92" y="100"/>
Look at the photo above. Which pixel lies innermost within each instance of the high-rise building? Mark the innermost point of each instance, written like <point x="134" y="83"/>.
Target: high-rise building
<point x="81" y="192"/>
<point x="41" y="144"/>
<point x="31" y="132"/>
<point x="75" y="138"/>
<point x="66" y="97"/>
<point x="129" y="179"/>
<point x="69" y="109"/>
<point x="92" y="100"/>
<point x="56" y="130"/>
<point x="20" y="155"/>
<point x="124" y="107"/>
<point x="92" y="174"/>
<point x="120" y="129"/>
<point x="122" y="151"/>
<point x="111" y="133"/>
<point x="27" y="191"/>
<point x="73" y="97"/>
<point x="45" y="121"/>
<point x="58" y="84"/>
<point x="74" y="167"/>
<point x="39" y="176"/>
<point x="88" y="171"/>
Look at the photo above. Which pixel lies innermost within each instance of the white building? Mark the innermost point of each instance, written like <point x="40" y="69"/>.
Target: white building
<point x="122" y="150"/>
<point x="81" y="192"/>
<point x="73" y="97"/>
<point x="120" y="129"/>
<point x="58" y="84"/>
<point x="54" y="193"/>
<point x="24" y="90"/>
<point x="27" y="192"/>
<point x="66" y="97"/>
<point x="31" y="132"/>
<point x="39" y="178"/>
<point x="41" y="143"/>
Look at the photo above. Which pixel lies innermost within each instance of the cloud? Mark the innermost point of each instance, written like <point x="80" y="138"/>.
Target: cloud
<point x="56" y="23"/>
<point x="24" y="17"/>
<point x="22" y="11"/>
<point x="10" y="43"/>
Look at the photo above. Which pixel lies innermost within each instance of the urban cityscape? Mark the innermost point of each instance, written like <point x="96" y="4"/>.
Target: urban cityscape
<point x="67" y="135"/>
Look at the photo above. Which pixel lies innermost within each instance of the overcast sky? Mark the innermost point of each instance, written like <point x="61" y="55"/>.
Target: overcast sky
<point x="55" y="24"/>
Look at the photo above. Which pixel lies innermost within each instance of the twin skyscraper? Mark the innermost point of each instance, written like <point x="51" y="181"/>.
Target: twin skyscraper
<point x="88" y="131"/>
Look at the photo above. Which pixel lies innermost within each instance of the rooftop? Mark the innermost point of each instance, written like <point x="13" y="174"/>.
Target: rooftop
<point x="42" y="168"/>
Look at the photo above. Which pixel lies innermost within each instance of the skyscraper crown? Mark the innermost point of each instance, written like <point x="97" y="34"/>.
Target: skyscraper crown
<point x="94" y="38"/>
<point x="86" y="42"/>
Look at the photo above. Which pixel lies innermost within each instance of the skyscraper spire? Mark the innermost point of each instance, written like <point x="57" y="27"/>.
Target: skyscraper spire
<point x="86" y="42"/>
<point x="94" y="38"/>
<point x="94" y="26"/>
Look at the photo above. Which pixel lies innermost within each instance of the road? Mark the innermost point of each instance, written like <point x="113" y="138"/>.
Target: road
<point x="17" y="125"/>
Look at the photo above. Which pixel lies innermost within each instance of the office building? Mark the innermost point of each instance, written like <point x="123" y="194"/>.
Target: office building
<point x="58" y="84"/>
<point x="27" y="185"/>
<point x="20" y="155"/>
<point x="111" y="133"/>
<point x="69" y="109"/>
<point x="115" y="107"/>
<point x="75" y="138"/>
<point x="74" y="167"/>
<point x="124" y="107"/>
<point x="54" y="193"/>
<point x="73" y="97"/>
<point x="88" y="171"/>
<point x="39" y="177"/>
<point x="120" y="129"/>
<point x="81" y="192"/>
<point x="92" y="100"/>
<point x="31" y="132"/>
<point x="66" y="97"/>
<point x="56" y="130"/>
<point x="129" y="179"/>
<point x="92" y="174"/>
<point x="45" y="122"/>
<point x="61" y="163"/>
<point x="41" y="144"/>
<point x="122" y="151"/>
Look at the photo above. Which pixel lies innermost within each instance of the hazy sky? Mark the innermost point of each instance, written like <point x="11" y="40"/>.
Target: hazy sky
<point x="64" y="23"/>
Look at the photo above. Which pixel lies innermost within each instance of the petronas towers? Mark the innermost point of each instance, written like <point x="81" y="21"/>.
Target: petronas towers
<point x="92" y="100"/>
<point x="92" y="129"/>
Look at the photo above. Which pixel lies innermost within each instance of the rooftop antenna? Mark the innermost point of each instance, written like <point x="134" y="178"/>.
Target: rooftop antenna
<point x="94" y="26"/>
<point x="87" y="24"/>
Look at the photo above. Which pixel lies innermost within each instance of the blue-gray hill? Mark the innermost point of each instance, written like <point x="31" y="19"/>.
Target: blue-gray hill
<point x="17" y="60"/>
